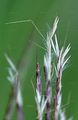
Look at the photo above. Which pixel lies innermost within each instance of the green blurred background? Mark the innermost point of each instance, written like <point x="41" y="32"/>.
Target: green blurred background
<point x="21" y="42"/>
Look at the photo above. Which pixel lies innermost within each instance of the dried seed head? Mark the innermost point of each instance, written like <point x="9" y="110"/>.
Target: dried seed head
<point x="38" y="79"/>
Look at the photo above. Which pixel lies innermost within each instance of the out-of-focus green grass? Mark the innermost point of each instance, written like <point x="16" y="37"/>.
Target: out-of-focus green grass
<point x="17" y="41"/>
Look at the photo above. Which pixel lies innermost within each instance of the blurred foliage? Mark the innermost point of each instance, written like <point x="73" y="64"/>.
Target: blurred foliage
<point x="21" y="42"/>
